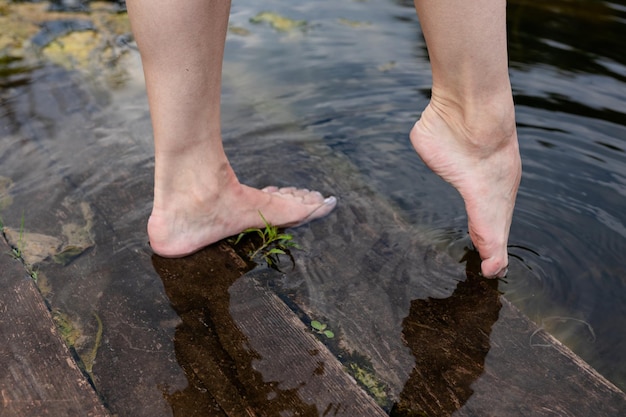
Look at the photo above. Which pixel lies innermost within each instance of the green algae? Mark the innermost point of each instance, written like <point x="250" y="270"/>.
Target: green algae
<point x="73" y="334"/>
<point x="387" y="67"/>
<point x="68" y="254"/>
<point x="278" y="22"/>
<point x="5" y="198"/>
<point x="353" y="23"/>
<point x="87" y="41"/>
<point x="367" y="379"/>
<point x="73" y="50"/>
<point x="70" y="330"/>
<point x="89" y="357"/>
<point x="237" y="30"/>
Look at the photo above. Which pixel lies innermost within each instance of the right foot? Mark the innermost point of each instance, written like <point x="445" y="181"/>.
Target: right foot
<point x="190" y="224"/>
<point x="484" y="166"/>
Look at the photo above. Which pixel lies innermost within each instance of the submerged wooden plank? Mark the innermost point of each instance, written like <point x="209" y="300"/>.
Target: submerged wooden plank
<point x="290" y="355"/>
<point x="530" y="373"/>
<point x="477" y="355"/>
<point x="246" y="350"/>
<point x="435" y="336"/>
<point x="38" y="376"/>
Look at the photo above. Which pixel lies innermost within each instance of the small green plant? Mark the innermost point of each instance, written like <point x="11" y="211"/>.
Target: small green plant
<point x="34" y="273"/>
<point x="18" y="250"/>
<point x="273" y="243"/>
<point x="322" y="328"/>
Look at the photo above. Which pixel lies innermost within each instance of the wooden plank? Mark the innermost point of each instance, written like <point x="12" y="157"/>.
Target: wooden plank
<point x="292" y="356"/>
<point x="247" y="349"/>
<point x="530" y="373"/>
<point x="477" y="355"/>
<point x="38" y="376"/>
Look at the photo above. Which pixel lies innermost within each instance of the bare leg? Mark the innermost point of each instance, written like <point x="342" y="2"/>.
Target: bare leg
<point x="467" y="132"/>
<point x="197" y="197"/>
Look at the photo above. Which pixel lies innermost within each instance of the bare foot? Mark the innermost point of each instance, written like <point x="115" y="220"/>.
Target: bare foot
<point x="189" y="224"/>
<point x="484" y="165"/>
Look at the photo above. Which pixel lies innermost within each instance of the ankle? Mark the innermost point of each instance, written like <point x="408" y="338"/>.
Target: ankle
<point x="484" y="121"/>
<point x="193" y="187"/>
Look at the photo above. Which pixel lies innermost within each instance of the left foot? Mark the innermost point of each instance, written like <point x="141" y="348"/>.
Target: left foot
<point x="185" y="222"/>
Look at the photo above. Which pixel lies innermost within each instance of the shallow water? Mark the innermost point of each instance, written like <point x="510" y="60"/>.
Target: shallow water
<point x="352" y="80"/>
<point x="360" y="87"/>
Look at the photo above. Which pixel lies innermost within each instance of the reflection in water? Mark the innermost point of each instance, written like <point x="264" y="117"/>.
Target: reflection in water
<point x="450" y="339"/>
<point x="211" y="348"/>
<point x="574" y="35"/>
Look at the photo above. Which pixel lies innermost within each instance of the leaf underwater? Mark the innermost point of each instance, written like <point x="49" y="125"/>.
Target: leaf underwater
<point x="317" y="325"/>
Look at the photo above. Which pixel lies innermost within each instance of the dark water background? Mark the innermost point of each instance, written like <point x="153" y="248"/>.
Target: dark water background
<point x="356" y="77"/>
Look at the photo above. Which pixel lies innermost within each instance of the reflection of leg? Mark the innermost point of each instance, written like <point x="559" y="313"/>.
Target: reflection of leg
<point x="467" y="133"/>
<point x="210" y="346"/>
<point x="449" y="339"/>
<point x="197" y="197"/>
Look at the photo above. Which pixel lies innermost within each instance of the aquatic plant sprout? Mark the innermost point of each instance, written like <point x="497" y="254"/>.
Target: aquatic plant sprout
<point x="321" y="328"/>
<point x="273" y="243"/>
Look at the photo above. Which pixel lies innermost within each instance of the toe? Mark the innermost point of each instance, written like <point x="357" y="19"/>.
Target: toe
<point x="313" y="197"/>
<point x="287" y="190"/>
<point x="495" y="267"/>
<point x="326" y="206"/>
<point x="301" y="192"/>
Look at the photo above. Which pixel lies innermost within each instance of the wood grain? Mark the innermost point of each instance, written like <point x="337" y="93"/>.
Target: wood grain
<point x="38" y="376"/>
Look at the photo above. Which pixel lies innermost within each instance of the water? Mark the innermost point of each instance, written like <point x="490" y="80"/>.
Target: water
<point x="352" y="80"/>
<point x="361" y="87"/>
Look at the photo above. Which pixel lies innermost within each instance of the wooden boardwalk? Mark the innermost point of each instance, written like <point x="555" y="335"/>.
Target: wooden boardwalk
<point x="246" y="353"/>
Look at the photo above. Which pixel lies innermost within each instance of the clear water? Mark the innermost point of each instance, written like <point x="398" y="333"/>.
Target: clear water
<point x="360" y="87"/>
<point x="354" y="80"/>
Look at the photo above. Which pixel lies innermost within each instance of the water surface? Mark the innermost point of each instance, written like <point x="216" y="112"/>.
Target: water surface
<point x="346" y="86"/>
<point x="361" y="86"/>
